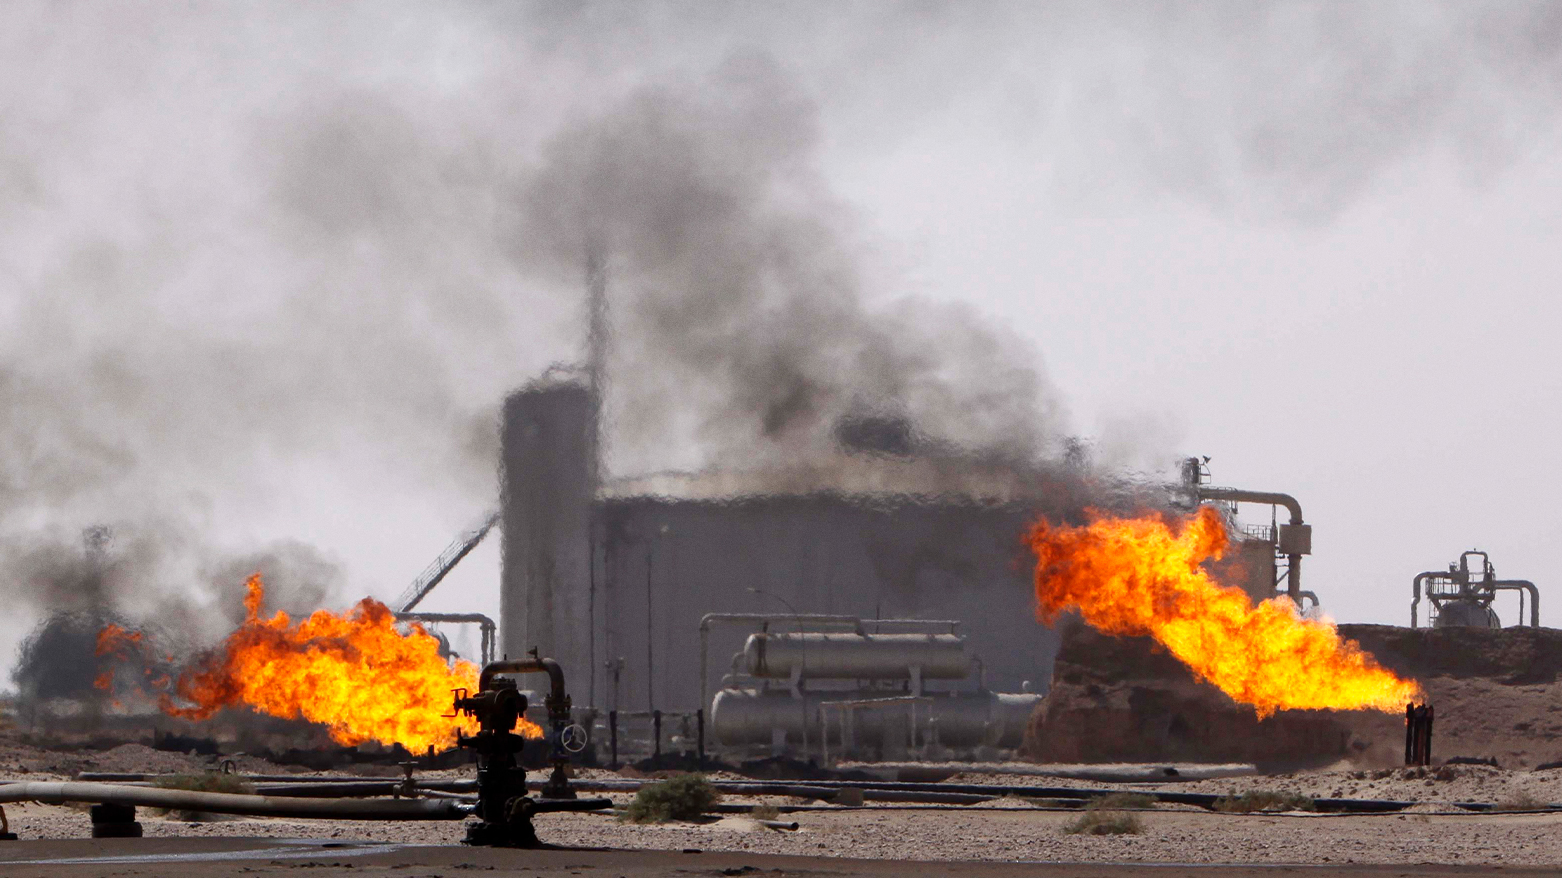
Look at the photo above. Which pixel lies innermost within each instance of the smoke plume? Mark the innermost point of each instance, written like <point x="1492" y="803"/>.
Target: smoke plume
<point x="267" y="269"/>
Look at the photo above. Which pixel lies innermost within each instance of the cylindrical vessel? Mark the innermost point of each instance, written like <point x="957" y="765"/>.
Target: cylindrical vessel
<point x="966" y="719"/>
<point x="827" y="655"/>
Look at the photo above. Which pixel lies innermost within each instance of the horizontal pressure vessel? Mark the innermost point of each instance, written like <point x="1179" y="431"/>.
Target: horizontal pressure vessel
<point x="848" y="656"/>
<point x="967" y="719"/>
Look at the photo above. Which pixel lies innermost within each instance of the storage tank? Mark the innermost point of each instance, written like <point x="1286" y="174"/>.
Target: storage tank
<point x="742" y="717"/>
<point x="851" y="656"/>
<point x="546" y="491"/>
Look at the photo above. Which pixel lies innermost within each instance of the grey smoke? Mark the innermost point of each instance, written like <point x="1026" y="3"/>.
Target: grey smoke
<point x="735" y="283"/>
<point x="244" y="249"/>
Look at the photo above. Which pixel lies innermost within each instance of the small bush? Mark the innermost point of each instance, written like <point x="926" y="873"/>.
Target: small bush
<point x="1521" y="802"/>
<point x="765" y="812"/>
<point x="204" y="782"/>
<point x="680" y="798"/>
<point x="1121" y="802"/>
<point x="1264" y="800"/>
<point x="1098" y="822"/>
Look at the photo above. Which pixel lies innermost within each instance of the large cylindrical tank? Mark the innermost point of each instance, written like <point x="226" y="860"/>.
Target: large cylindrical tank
<point x="547" y="436"/>
<point x="821" y="655"/>
<point x="967" y="719"/>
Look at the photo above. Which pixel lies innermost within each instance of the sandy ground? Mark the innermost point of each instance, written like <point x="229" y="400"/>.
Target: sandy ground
<point x="1005" y="830"/>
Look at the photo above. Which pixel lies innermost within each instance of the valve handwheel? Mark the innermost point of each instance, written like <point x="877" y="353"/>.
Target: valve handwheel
<point x="573" y="738"/>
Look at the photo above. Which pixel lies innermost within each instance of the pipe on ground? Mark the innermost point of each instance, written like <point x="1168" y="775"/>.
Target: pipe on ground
<point x="56" y="793"/>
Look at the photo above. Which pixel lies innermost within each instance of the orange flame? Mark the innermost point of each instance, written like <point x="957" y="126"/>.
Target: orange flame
<point x="353" y="672"/>
<point x="113" y="641"/>
<point x="1135" y="576"/>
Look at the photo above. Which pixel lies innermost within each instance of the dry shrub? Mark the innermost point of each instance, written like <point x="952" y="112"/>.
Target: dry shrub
<point x="765" y="812"/>
<point x="203" y="782"/>
<point x="1521" y="801"/>
<point x="1264" y="800"/>
<point x="680" y="798"/>
<point x="1099" y="822"/>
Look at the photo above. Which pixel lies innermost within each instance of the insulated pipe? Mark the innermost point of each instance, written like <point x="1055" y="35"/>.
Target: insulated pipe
<point x="1294" y="559"/>
<point x="1534" y="596"/>
<point x="1420" y="577"/>
<point x="235" y="803"/>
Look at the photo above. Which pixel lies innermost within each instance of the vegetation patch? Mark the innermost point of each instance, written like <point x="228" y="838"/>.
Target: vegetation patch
<point x="685" y="797"/>
<point x="1264" y="800"/>
<point x="1522" y="801"/>
<point x="765" y="812"/>
<point x="202" y="782"/>
<point x="1099" y="822"/>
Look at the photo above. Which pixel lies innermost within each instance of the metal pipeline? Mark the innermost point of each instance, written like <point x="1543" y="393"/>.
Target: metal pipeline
<point x="1293" y="559"/>
<point x="1514" y="584"/>
<point x="525" y="666"/>
<point x="1416" y="601"/>
<point x="55" y="793"/>
<point x="485" y="625"/>
<point x="1269" y="497"/>
<point x="1534" y="596"/>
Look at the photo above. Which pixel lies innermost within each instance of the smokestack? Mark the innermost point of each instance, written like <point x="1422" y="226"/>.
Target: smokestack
<point x="546" y="480"/>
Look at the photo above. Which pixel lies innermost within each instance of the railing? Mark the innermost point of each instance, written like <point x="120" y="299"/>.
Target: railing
<point x="442" y="565"/>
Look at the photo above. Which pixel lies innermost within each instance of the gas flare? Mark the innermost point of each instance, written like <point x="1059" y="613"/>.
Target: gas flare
<point x="354" y="672"/>
<point x="1137" y="576"/>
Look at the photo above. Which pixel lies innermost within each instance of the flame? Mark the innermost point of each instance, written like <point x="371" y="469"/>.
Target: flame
<point x="1135" y="576"/>
<point x="353" y="672"/>
<point x="117" y="642"/>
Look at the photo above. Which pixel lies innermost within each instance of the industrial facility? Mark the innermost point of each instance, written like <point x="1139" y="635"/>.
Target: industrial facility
<point x="875" y="606"/>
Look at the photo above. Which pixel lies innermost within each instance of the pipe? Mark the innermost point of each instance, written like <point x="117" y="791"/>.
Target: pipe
<point x="1534" y="596"/>
<point x="855" y="622"/>
<point x="710" y="619"/>
<point x="234" y="803"/>
<point x="485" y="625"/>
<point x="362" y="789"/>
<point x="1416" y="601"/>
<point x="129" y="777"/>
<point x="948" y="793"/>
<point x="525" y="666"/>
<point x="1269" y="497"/>
<point x="1293" y="585"/>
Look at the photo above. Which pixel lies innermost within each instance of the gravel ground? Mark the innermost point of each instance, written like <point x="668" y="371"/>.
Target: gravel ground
<point x="1020" y="833"/>
<point x="1008" y="829"/>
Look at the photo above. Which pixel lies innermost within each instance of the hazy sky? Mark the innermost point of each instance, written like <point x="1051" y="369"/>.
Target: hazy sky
<point x="266" y="270"/>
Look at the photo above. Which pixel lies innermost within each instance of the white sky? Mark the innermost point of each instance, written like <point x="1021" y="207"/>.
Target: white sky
<point x="1314" y="244"/>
